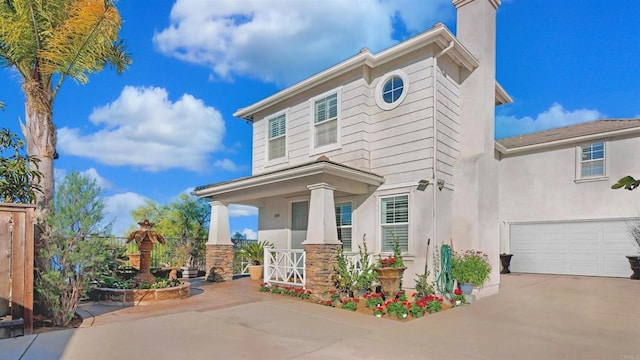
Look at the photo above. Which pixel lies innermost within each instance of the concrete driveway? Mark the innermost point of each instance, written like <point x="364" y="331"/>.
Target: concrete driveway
<point x="533" y="317"/>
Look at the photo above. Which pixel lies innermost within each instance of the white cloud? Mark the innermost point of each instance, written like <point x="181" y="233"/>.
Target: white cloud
<point x="143" y="128"/>
<point x="555" y="116"/>
<point x="249" y="234"/>
<point x="118" y="209"/>
<point x="242" y="210"/>
<point x="284" y="41"/>
<point x="92" y="173"/>
<point x="226" y="164"/>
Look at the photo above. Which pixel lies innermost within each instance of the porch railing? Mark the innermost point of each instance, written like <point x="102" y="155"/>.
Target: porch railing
<point x="284" y="266"/>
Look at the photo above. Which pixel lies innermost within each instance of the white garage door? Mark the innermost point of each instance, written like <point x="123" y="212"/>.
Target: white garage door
<point x="595" y="248"/>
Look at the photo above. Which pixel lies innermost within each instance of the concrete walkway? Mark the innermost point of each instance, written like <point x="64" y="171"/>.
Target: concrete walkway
<point x="533" y="317"/>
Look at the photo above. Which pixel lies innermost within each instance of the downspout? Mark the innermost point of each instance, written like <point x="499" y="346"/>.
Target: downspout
<point x="434" y="183"/>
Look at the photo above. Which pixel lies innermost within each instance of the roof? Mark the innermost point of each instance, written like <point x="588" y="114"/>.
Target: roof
<point x="241" y="189"/>
<point x="573" y="133"/>
<point x="438" y="34"/>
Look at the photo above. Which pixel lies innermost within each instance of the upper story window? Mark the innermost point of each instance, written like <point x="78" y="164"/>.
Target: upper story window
<point x="325" y="122"/>
<point x="277" y="137"/>
<point x="395" y="222"/>
<point x="343" y="220"/>
<point x="592" y="160"/>
<point x="391" y="90"/>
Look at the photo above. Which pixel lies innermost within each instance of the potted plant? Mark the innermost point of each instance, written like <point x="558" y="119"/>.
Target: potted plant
<point x="423" y="288"/>
<point x="350" y="303"/>
<point x="354" y="278"/>
<point x="634" y="260"/>
<point x="390" y="270"/>
<point x="470" y="269"/>
<point x="254" y="252"/>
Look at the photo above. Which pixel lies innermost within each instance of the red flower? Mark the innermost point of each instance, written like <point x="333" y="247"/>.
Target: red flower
<point x="457" y="292"/>
<point x="332" y="292"/>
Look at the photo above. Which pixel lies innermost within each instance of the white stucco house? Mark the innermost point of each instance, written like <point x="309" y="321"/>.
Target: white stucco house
<point x="402" y="142"/>
<point x="558" y="213"/>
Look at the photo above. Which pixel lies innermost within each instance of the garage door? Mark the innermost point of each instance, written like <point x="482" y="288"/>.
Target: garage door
<point x="595" y="248"/>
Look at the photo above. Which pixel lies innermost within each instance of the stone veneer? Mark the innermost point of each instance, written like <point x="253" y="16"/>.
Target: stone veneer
<point x="220" y="257"/>
<point x="321" y="260"/>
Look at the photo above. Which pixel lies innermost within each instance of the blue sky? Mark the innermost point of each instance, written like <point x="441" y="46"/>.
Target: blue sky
<point x="165" y="126"/>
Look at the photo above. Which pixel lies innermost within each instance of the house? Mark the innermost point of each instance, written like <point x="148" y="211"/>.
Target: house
<point x="558" y="213"/>
<point x="394" y="144"/>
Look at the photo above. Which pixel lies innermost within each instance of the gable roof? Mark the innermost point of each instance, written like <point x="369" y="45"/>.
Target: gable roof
<point x="439" y="34"/>
<point x="568" y="134"/>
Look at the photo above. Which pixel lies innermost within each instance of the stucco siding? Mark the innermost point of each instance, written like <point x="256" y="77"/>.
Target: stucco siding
<point x="541" y="186"/>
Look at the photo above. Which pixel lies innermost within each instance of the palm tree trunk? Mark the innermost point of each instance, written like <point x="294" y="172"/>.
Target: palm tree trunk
<point x="40" y="134"/>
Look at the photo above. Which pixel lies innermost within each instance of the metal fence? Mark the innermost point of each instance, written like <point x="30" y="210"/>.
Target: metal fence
<point x="161" y="255"/>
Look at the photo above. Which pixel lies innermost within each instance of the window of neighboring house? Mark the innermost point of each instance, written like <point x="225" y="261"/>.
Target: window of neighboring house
<point x="592" y="162"/>
<point x="395" y="222"/>
<point x="343" y="220"/>
<point x="277" y="137"/>
<point x="325" y="123"/>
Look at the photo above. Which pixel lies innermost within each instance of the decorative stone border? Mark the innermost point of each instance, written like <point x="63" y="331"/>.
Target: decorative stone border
<point x="136" y="297"/>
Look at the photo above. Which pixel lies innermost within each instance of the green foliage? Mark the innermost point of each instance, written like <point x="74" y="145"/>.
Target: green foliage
<point x="395" y="260"/>
<point x="470" y="267"/>
<point x="254" y="251"/>
<point x="184" y="225"/>
<point x="423" y="287"/>
<point x="626" y="182"/>
<point x="18" y="179"/>
<point x="350" y="277"/>
<point x="76" y="247"/>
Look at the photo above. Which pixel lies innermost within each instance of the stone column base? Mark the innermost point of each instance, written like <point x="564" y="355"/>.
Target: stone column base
<point x="220" y="258"/>
<point x="320" y="263"/>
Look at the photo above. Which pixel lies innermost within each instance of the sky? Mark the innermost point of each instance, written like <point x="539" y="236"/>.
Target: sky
<point x="166" y="125"/>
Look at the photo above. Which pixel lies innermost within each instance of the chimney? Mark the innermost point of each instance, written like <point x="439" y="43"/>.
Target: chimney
<point x="475" y="207"/>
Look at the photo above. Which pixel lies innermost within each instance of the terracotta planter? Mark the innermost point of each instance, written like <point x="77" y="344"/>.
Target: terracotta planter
<point x="634" y="262"/>
<point x="255" y="272"/>
<point x="390" y="279"/>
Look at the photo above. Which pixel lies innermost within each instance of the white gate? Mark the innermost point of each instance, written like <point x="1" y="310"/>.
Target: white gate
<point x="284" y="266"/>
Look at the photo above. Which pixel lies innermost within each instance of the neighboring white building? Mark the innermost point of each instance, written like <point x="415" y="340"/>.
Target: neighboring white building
<point x="557" y="210"/>
<point x="402" y="143"/>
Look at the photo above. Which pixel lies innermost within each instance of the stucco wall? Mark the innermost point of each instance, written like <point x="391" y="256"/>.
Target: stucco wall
<point x="540" y="186"/>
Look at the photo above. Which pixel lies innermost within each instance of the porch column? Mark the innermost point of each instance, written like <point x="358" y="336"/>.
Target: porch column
<point x="219" y="245"/>
<point x="322" y="242"/>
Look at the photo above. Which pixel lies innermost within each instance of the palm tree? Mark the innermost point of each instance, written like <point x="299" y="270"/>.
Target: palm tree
<point x="47" y="41"/>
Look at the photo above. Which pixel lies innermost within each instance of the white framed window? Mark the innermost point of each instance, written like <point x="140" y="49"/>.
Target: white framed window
<point x="392" y="89"/>
<point x="326" y="122"/>
<point x="276" y="137"/>
<point x="344" y="224"/>
<point x="591" y="161"/>
<point x="394" y="221"/>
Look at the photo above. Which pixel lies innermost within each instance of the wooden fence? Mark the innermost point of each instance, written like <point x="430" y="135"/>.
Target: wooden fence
<point x="16" y="268"/>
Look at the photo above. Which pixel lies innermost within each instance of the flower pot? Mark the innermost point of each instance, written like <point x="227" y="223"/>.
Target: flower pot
<point x="390" y="279"/>
<point x="458" y="302"/>
<point x="404" y="316"/>
<point x="189" y="272"/>
<point x="634" y="262"/>
<point x="505" y="260"/>
<point x="378" y="315"/>
<point x="255" y="272"/>
<point x="466" y="288"/>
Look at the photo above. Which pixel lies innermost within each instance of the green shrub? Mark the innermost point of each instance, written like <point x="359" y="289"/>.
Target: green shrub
<point x="470" y="267"/>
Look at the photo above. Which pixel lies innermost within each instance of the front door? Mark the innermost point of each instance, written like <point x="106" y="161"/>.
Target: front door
<point x="299" y="222"/>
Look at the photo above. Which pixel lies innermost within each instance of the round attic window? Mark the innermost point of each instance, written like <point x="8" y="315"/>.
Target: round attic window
<point x="391" y="90"/>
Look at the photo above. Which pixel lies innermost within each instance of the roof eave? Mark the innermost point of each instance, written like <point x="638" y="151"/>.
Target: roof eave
<point x="502" y="97"/>
<point x="439" y="35"/>
<point x="291" y="173"/>
<point x="520" y="149"/>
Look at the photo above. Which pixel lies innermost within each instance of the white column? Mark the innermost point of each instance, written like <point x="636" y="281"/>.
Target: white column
<point x="219" y="233"/>
<point x="322" y="216"/>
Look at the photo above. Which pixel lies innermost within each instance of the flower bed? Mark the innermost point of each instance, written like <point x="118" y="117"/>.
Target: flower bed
<point x="401" y="307"/>
<point x="135" y="297"/>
